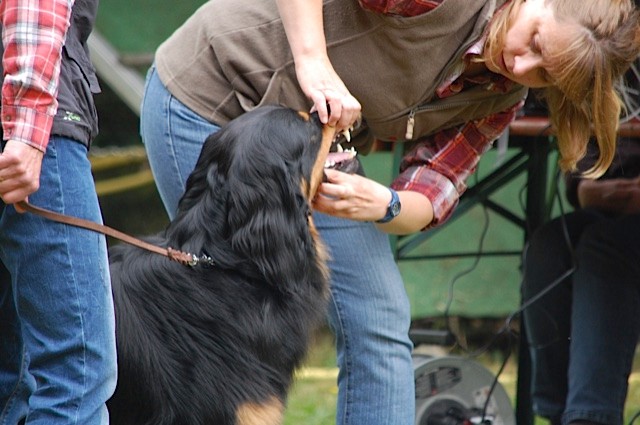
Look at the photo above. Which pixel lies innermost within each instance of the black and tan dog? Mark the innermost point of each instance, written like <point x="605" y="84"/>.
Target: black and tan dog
<point x="218" y="344"/>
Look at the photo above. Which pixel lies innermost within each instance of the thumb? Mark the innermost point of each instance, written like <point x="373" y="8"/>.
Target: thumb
<point x="334" y="176"/>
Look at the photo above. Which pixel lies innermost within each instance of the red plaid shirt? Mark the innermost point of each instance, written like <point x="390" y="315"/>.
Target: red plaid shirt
<point x="32" y="34"/>
<point x="441" y="163"/>
<point x="400" y="7"/>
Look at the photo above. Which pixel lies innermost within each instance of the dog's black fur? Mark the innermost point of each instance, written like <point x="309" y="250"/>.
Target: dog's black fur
<point x="218" y="345"/>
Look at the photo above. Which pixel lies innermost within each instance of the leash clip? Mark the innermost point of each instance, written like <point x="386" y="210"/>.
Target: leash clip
<point x="205" y="260"/>
<point x="194" y="261"/>
<point x="189" y="259"/>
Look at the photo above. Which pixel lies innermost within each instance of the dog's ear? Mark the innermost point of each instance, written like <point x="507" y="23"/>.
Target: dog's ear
<point x="268" y="211"/>
<point x="201" y="219"/>
<point x="245" y="195"/>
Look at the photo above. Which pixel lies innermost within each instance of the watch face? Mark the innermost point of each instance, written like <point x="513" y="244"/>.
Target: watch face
<point x="395" y="209"/>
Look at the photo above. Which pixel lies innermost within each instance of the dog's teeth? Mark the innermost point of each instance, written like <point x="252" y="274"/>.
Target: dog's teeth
<point x="339" y="148"/>
<point x="347" y="135"/>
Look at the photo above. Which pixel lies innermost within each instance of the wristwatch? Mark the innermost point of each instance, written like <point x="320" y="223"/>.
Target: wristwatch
<point x="393" y="209"/>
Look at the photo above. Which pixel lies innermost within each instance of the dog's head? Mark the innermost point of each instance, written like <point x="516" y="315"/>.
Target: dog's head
<point x="250" y="193"/>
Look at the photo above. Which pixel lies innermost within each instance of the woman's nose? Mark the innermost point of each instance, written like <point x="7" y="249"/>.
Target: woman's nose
<point x="525" y="63"/>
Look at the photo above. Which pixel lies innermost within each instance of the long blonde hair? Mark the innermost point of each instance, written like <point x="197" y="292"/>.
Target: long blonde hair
<point x="583" y="99"/>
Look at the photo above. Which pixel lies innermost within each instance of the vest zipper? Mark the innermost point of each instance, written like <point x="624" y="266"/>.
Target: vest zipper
<point x="411" y="118"/>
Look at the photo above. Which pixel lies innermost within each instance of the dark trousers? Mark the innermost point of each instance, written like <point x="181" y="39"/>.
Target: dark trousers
<point x="583" y="333"/>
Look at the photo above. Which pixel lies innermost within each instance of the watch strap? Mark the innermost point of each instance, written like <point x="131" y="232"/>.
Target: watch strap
<point x="393" y="209"/>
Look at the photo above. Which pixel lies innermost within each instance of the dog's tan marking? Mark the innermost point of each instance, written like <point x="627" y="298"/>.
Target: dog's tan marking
<point x="268" y="413"/>
<point x="304" y="115"/>
<point x="323" y="256"/>
<point x="328" y="134"/>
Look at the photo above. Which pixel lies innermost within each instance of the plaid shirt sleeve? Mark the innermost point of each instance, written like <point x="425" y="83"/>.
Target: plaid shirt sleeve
<point x="400" y="7"/>
<point x="441" y="163"/>
<point x="33" y="32"/>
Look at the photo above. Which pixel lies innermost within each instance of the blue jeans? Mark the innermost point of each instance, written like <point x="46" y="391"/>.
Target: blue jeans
<point x="57" y="331"/>
<point x="584" y="332"/>
<point x="369" y="310"/>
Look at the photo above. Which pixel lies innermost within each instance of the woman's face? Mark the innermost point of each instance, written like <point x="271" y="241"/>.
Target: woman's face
<point x="533" y="36"/>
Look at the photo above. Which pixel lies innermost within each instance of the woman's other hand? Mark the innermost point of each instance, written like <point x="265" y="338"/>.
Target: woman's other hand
<point x="621" y="196"/>
<point x="303" y="24"/>
<point x="331" y="98"/>
<point x="355" y="197"/>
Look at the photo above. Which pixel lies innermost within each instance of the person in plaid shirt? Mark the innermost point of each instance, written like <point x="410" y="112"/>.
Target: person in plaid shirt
<point x="57" y="355"/>
<point x="445" y="76"/>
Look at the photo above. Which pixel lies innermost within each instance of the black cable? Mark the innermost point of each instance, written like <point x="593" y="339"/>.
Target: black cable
<point x="494" y="384"/>
<point x="506" y="329"/>
<point x="561" y="278"/>
<point x="462" y="273"/>
<point x="532" y="300"/>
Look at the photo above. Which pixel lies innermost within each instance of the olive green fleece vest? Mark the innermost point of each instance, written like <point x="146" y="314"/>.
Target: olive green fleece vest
<point x="233" y="55"/>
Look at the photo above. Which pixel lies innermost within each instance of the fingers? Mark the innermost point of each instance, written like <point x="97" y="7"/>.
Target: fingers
<point x="20" y="166"/>
<point x="337" y="110"/>
<point x="335" y="176"/>
<point x="343" y="195"/>
<point x="335" y="200"/>
<point x="351" y="196"/>
<point x="351" y="112"/>
<point x="344" y="111"/>
<point x="15" y="189"/>
<point x="330" y="97"/>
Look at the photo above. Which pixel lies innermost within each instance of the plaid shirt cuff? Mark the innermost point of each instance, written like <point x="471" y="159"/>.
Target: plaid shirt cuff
<point x="26" y="125"/>
<point x="438" y="189"/>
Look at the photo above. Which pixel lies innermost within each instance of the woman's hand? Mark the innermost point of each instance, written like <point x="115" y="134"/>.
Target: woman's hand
<point x="352" y="196"/>
<point x="302" y="20"/>
<point x="358" y="198"/>
<point x="331" y="98"/>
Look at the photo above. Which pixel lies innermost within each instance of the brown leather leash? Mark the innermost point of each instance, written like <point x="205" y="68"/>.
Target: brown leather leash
<point x="181" y="257"/>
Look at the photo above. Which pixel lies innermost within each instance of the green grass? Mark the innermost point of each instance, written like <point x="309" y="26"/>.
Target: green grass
<point x="312" y="400"/>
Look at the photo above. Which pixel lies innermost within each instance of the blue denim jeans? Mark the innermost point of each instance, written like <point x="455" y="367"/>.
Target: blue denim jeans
<point x="369" y="310"/>
<point x="584" y="332"/>
<point x="57" y="333"/>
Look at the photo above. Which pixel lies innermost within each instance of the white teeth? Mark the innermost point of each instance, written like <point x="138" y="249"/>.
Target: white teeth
<point x="347" y="134"/>
<point x="339" y="148"/>
<point x="351" y="152"/>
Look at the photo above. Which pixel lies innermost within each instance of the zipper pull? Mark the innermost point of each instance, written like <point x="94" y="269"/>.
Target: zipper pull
<point x="410" y="123"/>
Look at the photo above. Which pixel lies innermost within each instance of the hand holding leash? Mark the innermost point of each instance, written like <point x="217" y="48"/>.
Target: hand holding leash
<point x="20" y="166"/>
